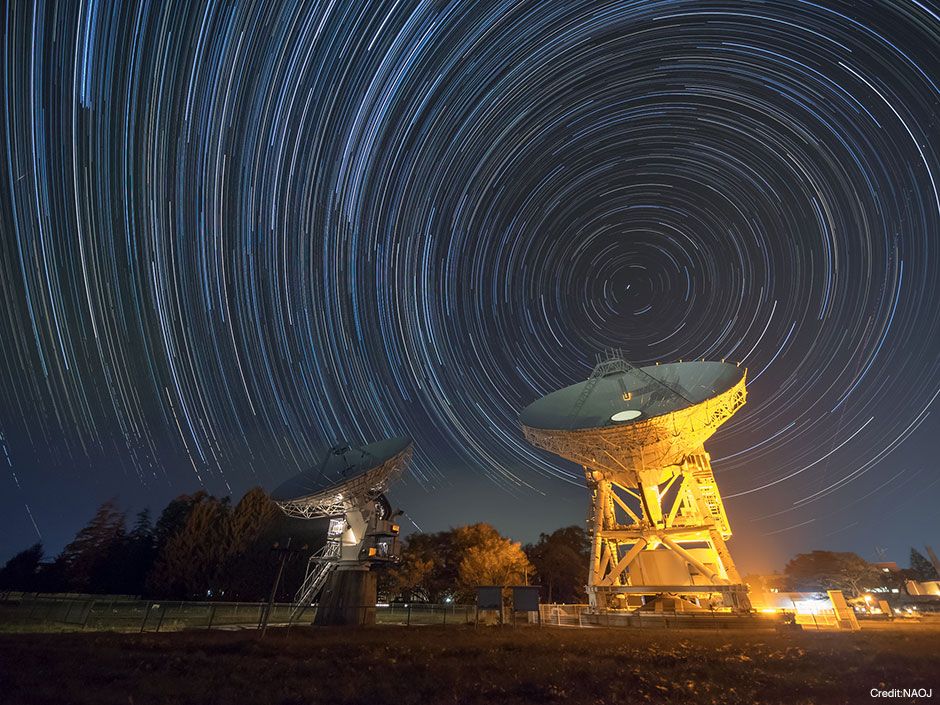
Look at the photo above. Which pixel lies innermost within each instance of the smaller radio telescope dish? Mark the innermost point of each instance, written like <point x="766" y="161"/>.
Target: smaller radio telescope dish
<point x="348" y="486"/>
<point x="348" y="477"/>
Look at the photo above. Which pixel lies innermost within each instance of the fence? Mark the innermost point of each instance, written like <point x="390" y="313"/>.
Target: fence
<point x="823" y="619"/>
<point x="562" y="615"/>
<point x="29" y="612"/>
<point x="579" y="616"/>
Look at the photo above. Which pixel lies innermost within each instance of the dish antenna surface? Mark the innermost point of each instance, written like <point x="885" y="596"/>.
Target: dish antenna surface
<point x="658" y="524"/>
<point x="348" y="486"/>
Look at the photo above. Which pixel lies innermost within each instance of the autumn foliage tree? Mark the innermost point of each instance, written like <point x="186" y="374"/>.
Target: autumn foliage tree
<point x="494" y="561"/>
<point x="418" y="577"/>
<point x="450" y="564"/>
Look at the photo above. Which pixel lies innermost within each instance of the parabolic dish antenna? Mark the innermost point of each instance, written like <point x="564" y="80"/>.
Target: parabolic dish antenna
<point x="658" y="523"/>
<point x="348" y="486"/>
<point x="638" y="416"/>
<point x="348" y="477"/>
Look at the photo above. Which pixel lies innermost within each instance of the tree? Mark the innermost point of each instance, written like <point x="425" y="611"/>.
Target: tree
<point x="191" y="560"/>
<point x="86" y="558"/>
<point x="561" y="562"/>
<point x="254" y="526"/>
<point x="829" y="570"/>
<point x="132" y="562"/>
<point x="411" y="579"/>
<point x="207" y="548"/>
<point x="449" y="564"/>
<point x="428" y="568"/>
<point x="254" y="513"/>
<point x="20" y="572"/>
<point x="493" y="561"/>
<point x="921" y="568"/>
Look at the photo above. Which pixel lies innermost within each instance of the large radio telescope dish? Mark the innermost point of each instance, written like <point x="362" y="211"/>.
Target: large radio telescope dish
<point x="658" y="523"/>
<point x="625" y="418"/>
<point x="347" y="478"/>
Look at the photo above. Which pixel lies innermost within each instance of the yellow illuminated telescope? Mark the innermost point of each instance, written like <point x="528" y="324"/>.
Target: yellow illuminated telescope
<point x="658" y="523"/>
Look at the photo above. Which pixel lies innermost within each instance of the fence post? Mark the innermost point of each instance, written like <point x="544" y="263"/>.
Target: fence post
<point x="162" y="615"/>
<point x="408" y="618"/>
<point x="445" y="615"/>
<point x="143" y="622"/>
<point x="211" y="616"/>
<point x="91" y="606"/>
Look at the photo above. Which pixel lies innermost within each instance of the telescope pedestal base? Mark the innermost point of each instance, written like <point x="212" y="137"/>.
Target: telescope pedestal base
<point x="633" y="597"/>
<point x="348" y="598"/>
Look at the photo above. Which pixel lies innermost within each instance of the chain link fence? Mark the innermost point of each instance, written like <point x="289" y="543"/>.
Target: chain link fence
<point x="33" y="612"/>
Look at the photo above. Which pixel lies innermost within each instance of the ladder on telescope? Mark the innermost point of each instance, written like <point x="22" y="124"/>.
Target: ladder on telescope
<point x="319" y="568"/>
<point x="612" y="361"/>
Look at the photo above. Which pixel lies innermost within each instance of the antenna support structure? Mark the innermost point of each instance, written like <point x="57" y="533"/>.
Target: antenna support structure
<point x="362" y="529"/>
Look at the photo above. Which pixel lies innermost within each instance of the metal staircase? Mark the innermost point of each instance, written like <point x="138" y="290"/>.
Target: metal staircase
<point x="319" y="568"/>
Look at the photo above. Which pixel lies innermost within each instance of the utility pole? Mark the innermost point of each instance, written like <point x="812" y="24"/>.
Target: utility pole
<point x="285" y="553"/>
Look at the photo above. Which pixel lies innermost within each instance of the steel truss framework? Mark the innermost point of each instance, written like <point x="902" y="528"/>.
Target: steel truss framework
<point x="319" y="567"/>
<point x="653" y="492"/>
<point x="359" y="491"/>
<point x="355" y="507"/>
<point x="667" y="517"/>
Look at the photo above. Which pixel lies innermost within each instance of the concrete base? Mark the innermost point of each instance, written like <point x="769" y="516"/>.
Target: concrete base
<point x="688" y="620"/>
<point x="348" y="598"/>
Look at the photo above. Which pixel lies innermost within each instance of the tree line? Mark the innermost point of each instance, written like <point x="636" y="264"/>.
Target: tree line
<point x="205" y="547"/>
<point x="447" y="566"/>
<point x="849" y="572"/>
<point x="200" y="547"/>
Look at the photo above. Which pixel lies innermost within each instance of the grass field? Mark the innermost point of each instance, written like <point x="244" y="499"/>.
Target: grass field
<point x="424" y="665"/>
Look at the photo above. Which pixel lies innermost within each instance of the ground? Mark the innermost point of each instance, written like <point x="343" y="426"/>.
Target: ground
<point x="426" y="665"/>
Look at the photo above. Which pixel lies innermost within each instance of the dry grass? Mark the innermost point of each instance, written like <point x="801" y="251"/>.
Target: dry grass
<point x="428" y="665"/>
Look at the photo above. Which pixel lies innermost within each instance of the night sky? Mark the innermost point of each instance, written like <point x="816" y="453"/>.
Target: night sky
<point x="234" y="235"/>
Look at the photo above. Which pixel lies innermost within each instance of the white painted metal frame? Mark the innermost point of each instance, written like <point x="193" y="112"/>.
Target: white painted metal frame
<point x="355" y="492"/>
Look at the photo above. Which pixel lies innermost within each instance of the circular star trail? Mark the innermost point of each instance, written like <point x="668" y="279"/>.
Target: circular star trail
<point x="235" y="233"/>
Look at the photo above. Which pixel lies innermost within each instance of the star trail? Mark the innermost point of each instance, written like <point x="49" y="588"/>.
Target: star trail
<point x="235" y="233"/>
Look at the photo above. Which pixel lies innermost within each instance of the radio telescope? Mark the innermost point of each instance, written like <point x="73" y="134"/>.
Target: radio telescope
<point x="348" y="486"/>
<point x="658" y="523"/>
